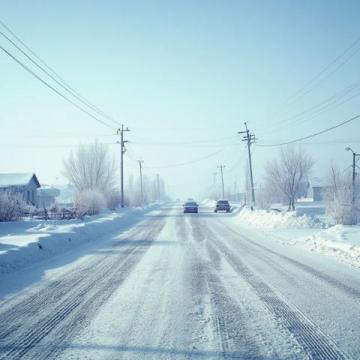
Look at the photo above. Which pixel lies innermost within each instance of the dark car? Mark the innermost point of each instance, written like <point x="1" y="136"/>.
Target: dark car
<point x="191" y="207"/>
<point x="222" y="205"/>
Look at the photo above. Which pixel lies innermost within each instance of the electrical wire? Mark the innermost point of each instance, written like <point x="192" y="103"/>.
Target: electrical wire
<point x="312" y="135"/>
<point x="144" y="141"/>
<point x="314" y="111"/>
<point x="317" y="79"/>
<point x="332" y="142"/>
<point x="185" y="162"/>
<point x="54" y="89"/>
<point x="187" y="145"/>
<point x="56" y="77"/>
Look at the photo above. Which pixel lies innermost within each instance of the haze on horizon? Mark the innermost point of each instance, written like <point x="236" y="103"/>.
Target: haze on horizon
<point x="183" y="77"/>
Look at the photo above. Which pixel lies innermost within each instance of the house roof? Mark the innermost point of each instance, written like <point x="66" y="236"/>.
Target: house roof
<point x="17" y="179"/>
<point x="317" y="182"/>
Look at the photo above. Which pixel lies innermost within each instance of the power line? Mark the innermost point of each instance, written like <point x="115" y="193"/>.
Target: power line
<point x="165" y="143"/>
<point x="316" y="80"/>
<point x="65" y="87"/>
<point x="57" y="78"/>
<point x="54" y="89"/>
<point x="47" y="146"/>
<point x="332" y="142"/>
<point x="177" y="145"/>
<point x="312" y="135"/>
<point x="187" y="162"/>
<point x="314" y="111"/>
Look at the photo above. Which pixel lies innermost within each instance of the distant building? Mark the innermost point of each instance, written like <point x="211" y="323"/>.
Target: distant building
<point x="317" y="189"/>
<point x="47" y="195"/>
<point x="25" y="184"/>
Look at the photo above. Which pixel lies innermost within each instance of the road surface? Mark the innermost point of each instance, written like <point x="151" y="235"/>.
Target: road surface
<point x="175" y="286"/>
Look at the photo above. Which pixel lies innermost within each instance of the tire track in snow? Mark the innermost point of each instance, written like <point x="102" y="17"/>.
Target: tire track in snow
<point x="350" y="291"/>
<point x="227" y="315"/>
<point x="309" y="336"/>
<point x="71" y="308"/>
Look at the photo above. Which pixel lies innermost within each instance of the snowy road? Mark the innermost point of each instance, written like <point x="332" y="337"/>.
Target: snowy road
<point x="181" y="286"/>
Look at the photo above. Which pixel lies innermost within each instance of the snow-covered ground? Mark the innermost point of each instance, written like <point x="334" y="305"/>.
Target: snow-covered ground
<point x="305" y="228"/>
<point x="180" y="286"/>
<point x="23" y="243"/>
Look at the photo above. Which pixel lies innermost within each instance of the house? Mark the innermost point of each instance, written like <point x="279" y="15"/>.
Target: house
<point x="25" y="184"/>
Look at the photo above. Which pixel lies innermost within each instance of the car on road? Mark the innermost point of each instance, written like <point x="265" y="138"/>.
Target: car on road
<point x="191" y="207"/>
<point x="222" y="205"/>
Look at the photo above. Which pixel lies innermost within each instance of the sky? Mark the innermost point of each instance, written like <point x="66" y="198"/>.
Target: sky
<point x="184" y="76"/>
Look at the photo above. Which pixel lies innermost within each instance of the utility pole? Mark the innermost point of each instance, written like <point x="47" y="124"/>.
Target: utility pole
<point x="141" y="182"/>
<point x="353" y="199"/>
<point x="249" y="138"/>
<point x="122" y="152"/>
<point x="221" y="167"/>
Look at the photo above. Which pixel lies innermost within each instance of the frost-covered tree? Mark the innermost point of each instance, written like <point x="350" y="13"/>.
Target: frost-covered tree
<point x="91" y="167"/>
<point x="283" y="176"/>
<point x="341" y="204"/>
<point x="12" y="206"/>
<point x="89" y="202"/>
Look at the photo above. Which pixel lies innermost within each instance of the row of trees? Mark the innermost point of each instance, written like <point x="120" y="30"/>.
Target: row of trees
<point x="286" y="177"/>
<point x="153" y="190"/>
<point x="92" y="171"/>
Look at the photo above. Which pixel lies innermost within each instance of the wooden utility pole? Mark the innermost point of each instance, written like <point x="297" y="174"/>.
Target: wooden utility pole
<point x="249" y="138"/>
<point x="122" y="152"/>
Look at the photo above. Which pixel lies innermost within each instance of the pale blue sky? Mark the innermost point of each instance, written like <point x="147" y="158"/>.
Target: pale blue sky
<point x="177" y="72"/>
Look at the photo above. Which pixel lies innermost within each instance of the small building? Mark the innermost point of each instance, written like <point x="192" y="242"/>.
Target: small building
<point x="25" y="184"/>
<point x="318" y="189"/>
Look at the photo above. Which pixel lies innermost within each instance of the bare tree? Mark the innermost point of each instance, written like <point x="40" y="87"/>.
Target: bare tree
<point x="339" y="197"/>
<point x="284" y="175"/>
<point x="264" y="197"/>
<point x="91" y="167"/>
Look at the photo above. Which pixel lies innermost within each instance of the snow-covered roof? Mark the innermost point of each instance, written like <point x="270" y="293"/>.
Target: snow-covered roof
<point x="17" y="179"/>
<point x="317" y="182"/>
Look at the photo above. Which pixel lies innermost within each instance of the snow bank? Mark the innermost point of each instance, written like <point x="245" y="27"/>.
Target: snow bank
<point x="274" y="220"/>
<point x="342" y="242"/>
<point x="26" y="242"/>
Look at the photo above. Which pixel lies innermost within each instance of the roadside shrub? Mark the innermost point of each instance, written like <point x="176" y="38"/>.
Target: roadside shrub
<point x="12" y="206"/>
<point x="113" y="200"/>
<point x="338" y="198"/>
<point x="89" y="202"/>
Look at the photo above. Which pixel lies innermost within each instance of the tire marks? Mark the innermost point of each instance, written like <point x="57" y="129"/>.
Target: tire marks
<point x="309" y="336"/>
<point x="68" y="303"/>
<point x="228" y="317"/>
<point x="350" y="291"/>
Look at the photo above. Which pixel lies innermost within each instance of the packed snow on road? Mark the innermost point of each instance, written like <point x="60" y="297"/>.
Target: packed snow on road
<point x="160" y="284"/>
